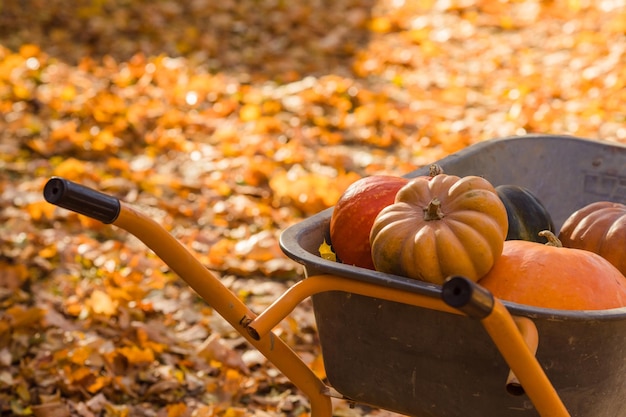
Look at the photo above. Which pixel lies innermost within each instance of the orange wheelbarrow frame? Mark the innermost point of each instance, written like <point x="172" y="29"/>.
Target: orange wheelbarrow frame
<point x="514" y="337"/>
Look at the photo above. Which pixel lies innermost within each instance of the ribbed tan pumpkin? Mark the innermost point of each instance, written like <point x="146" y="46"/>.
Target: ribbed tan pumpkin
<point x="600" y="228"/>
<point x="444" y="226"/>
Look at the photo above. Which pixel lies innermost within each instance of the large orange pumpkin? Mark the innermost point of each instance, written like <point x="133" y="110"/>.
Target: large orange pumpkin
<point x="448" y="225"/>
<point x="544" y="275"/>
<point x="354" y="215"/>
<point x="598" y="227"/>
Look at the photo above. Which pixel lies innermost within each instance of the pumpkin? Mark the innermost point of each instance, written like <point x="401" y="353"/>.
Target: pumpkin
<point x="355" y="211"/>
<point x="599" y="227"/>
<point x="354" y="214"/>
<point x="526" y="214"/>
<point x="448" y="225"/>
<point x="552" y="276"/>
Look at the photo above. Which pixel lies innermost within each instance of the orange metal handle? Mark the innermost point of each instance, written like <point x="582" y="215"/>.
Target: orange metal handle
<point x="108" y="209"/>
<point x="228" y="305"/>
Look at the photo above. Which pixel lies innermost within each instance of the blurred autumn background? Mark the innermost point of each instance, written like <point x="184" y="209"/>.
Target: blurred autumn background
<point x="227" y="121"/>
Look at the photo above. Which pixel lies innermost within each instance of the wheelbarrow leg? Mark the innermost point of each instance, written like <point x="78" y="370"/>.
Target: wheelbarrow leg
<point x="110" y="210"/>
<point x="177" y="257"/>
<point x="515" y="337"/>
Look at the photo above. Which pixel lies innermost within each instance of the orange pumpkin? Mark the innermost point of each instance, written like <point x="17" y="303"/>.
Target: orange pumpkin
<point x="549" y="276"/>
<point x="354" y="215"/>
<point x="440" y="227"/>
<point x="600" y="228"/>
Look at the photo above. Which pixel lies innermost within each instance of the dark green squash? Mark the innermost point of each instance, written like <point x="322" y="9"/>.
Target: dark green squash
<point x="527" y="215"/>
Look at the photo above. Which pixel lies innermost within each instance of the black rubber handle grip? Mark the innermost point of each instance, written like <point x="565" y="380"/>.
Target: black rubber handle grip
<point x="467" y="296"/>
<point x="80" y="199"/>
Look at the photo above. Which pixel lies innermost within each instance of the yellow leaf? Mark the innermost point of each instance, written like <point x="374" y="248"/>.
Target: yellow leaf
<point x="326" y="252"/>
<point x="250" y="112"/>
<point x="574" y="5"/>
<point x="380" y="25"/>
<point x="21" y="389"/>
<point x="68" y="93"/>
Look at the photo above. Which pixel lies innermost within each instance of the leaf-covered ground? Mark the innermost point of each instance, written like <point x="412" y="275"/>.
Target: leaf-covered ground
<point x="228" y="121"/>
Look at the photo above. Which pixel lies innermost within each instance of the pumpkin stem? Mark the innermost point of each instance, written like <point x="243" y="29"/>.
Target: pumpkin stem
<point x="435" y="169"/>
<point x="552" y="239"/>
<point x="433" y="210"/>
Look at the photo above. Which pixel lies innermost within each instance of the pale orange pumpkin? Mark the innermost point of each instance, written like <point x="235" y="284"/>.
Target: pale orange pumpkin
<point x="551" y="276"/>
<point x="599" y="227"/>
<point x="444" y="226"/>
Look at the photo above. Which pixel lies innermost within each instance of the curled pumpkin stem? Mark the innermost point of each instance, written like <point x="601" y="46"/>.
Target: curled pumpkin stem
<point x="552" y="239"/>
<point x="433" y="210"/>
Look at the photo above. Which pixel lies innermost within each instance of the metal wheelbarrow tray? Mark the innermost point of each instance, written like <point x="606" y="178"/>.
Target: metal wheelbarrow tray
<point x="429" y="363"/>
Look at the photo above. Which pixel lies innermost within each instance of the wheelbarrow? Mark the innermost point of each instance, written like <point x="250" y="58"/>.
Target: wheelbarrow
<point x="421" y="349"/>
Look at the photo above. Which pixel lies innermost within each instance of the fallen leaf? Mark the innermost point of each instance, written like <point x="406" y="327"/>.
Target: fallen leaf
<point x="326" y="252"/>
<point x="102" y="303"/>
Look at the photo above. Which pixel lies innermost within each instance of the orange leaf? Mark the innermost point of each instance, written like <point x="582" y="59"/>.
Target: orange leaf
<point x="12" y="276"/>
<point x="136" y="355"/>
<point x="317" y="366"/>
<point x="25" y="317"/>
<point x="176" y="410"/>
<point x="232" y="382"/>
<point x="70" y="168"/>
<point x="29" y="50"/>
<point x="220" y="251"/>
<point x="79" y="374"/>
<point x="40" y="210"/>
<point x="98" y="384"/>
